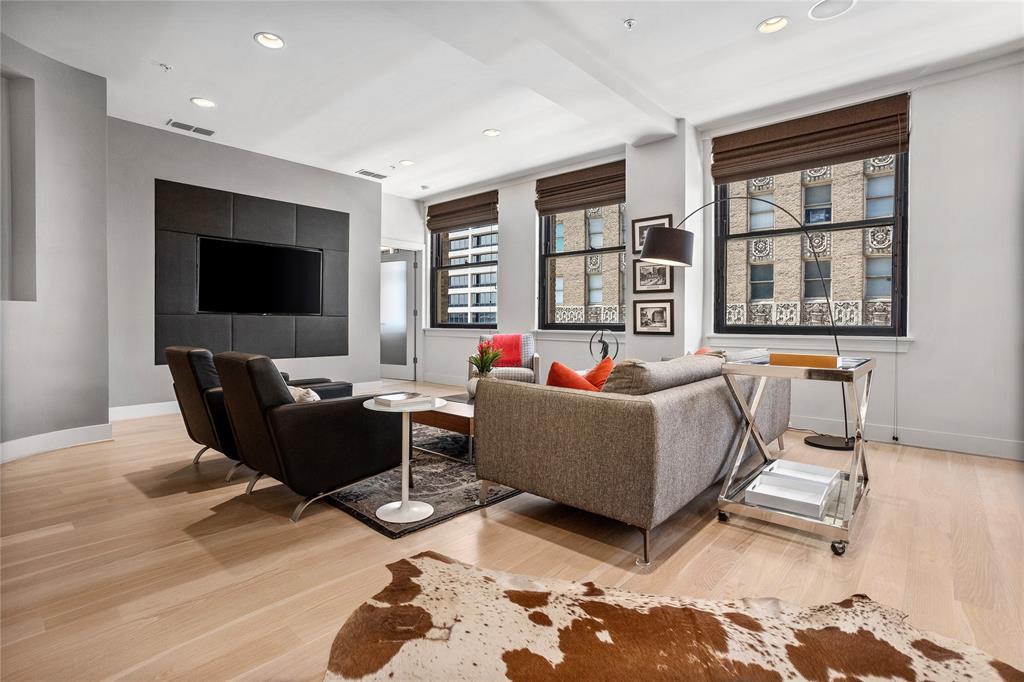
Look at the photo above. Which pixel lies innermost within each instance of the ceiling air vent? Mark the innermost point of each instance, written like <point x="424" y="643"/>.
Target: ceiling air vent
<point x="370" y="174"/>
<point x="189" y="127"/>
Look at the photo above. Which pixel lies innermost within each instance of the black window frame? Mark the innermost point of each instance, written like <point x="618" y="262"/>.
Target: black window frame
<point x="547" y="229"/>
<point x="898" y="222"/>
<point x="437" y="266"/>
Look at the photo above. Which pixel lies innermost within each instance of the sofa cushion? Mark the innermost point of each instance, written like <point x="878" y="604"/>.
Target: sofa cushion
<point x="303" y="395"/>
<point x="599" y="374"/>
<point x="637" y="377"/>
<point x="563" y="377"/>
<point x="527" y="347"/>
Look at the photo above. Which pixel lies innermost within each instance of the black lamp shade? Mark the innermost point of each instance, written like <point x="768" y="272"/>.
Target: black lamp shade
<point x="668" y="246"/>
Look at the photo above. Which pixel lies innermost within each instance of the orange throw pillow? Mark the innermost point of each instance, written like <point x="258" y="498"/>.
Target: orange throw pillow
<point x="599" y="374"/>
<point x="563" y="377"/>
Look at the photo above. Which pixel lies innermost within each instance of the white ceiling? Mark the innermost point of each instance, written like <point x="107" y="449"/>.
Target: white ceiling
<point x="365" y="84"/>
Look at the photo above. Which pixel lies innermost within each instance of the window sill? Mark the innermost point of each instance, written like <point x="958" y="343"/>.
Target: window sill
<point x="573" y="335"/>
<point x="458" y="332"/>
<point x="875" y="344"/>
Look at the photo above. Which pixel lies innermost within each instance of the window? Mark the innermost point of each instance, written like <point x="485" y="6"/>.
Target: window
<point x="458" y="281"/>
<point x="595" y="232"/>
<point x="485" y="298"/>
<point x="484" y="318"/>
<point x="458" y="261"/>
<point x="458" y="244"/>
<point x="817" y="204"/>
<point x="582" y="269"/>
<point x="762" y="215"/>
<point x="879" y="196"/>
<point x="878" y="277"/>
<point x="485" y="240"/>
<point x="816" y="286"/>
<point x="458" y="300"/>
<point x="762" y="282"/>
<point x="484" y="258"/>
<point x="458" y="318"/>
<point x="482" y="279"/>
<point x="595" y="289"/>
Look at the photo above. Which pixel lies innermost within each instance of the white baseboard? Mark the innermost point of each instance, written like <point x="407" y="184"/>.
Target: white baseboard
<point x="143" y="410"/>
<point x="54" y="440"/>
<point x="923" y="438"/>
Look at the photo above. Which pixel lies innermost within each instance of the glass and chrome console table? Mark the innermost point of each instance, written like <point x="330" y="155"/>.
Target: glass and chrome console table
<point x="845" y="497"/>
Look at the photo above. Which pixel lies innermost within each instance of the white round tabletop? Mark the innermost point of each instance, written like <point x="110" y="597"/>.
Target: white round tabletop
<point x="371" y="404"/>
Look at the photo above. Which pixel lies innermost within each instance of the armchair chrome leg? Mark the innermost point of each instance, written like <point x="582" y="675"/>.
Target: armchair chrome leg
<point x="195" y="460"/>
<point x="231" y="472"/>
<point x="646" y="559"/>
<point x="310" y="500"/>
<point x="782" y="443"/>
<point x="252" y="483"/>
<point x="485" y="487"/>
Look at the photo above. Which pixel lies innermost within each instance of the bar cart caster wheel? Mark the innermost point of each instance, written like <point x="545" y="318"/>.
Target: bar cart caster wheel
<point x="839" y="547"/>
<point x="723" y="517"/>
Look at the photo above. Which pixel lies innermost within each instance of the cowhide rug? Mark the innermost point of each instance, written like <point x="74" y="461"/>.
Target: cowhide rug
<point x="444" y="620"/>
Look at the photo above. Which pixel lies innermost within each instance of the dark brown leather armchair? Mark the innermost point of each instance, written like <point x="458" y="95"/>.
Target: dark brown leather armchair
<point x="201" y="400"/>
<point x="315" y="449"/>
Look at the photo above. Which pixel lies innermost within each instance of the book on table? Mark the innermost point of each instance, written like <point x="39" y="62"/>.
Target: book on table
<point x="403" y="399"/>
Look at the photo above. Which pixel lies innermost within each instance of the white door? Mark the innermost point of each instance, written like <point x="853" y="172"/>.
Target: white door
<point x="398" y="314"/>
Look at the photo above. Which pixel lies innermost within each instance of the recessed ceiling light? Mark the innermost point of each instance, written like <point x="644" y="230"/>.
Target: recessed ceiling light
<point x="407" y="162"/>
<point x="830" y="9"/>
<point x="203" y="102"/>
<point x="492" y="132"/>
<point x="271" y="40"/>
<point x="773" y="24"/>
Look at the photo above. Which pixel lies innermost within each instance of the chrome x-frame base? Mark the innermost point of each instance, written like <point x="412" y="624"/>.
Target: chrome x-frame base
<point x="837" y="521"/>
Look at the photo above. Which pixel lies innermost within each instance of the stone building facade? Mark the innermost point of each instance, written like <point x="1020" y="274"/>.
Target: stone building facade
<point x="772" y="280"/>
<point x="586" y="289"/>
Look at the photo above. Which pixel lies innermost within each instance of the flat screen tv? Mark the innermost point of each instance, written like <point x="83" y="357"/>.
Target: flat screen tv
<point x="260" y="279"/>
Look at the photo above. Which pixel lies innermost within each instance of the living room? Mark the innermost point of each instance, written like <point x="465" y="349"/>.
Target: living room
<point x="341" y="337"/>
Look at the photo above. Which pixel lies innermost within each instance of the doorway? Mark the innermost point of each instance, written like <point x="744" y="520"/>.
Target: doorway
<point x="398" y="313"/>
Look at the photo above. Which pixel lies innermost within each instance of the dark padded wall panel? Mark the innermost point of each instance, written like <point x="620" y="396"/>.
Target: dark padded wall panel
<point x="175" y="273"/>
<point x="205" y="331"/>
<point x="320" y="228"/>
<point x="263" y="220"/>
<point x="335" y="283"/>
<point x="198" y="210"/>
<point x="270" y="335"/>
<point x="321" y="336"/>
<point x="184" y="211"/>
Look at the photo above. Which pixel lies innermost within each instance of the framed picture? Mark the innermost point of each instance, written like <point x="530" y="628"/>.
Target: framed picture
<point x="651" y="277"/>
<point x="641" y="225"/>
<point x="653" y="317"/>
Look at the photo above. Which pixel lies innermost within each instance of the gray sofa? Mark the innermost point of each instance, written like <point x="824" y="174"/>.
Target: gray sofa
<point x="636" y="456"/>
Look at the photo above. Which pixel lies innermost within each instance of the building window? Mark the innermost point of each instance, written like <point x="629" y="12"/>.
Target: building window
<point x="816" y="286"/>
<point x="879" y="196"/>
<point x="465" y="275"/>
<point x="878" y="277"/>
<point x="817" y="204"/>
<point x="582" y="269"/>
<point x="483" y="279"/>
<point x="762" y="215"/>
<point x="484" y="318"/>
<point x="762" y="282"/>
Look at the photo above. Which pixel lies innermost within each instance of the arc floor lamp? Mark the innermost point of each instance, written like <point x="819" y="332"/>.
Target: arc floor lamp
<point x="673" y="246"/>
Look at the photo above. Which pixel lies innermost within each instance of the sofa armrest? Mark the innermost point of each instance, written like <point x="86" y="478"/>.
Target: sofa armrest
<point x="587" y="449"/>
<point x="323" y="445"/>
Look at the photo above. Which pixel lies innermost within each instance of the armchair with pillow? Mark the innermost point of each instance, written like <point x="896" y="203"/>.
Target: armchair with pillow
<point x="519" y="360"/>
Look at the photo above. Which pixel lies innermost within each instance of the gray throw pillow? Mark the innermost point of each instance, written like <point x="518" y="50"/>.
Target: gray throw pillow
<point x="637" y="377"/>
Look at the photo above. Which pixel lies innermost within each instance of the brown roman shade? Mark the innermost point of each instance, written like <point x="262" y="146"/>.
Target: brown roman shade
<point x="479" y="209"/>
<point x="586" y="188"/>
<point x="857" y="132"/>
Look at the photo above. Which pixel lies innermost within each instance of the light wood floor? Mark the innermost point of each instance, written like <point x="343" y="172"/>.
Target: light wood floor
<point x="119" y="560"/>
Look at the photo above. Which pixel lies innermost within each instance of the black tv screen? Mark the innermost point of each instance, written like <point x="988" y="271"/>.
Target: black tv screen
<point x="262" y="279"/>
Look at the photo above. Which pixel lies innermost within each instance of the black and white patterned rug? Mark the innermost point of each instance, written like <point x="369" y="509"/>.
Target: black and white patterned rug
<point x="449" y="484"/>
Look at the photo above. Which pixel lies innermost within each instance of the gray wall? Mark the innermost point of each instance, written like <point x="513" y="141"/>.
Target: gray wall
<point x="55" y="348"/>
<point x="139" y="154"/>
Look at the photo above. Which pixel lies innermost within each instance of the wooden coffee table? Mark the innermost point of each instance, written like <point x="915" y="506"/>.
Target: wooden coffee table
<point x="455" y="417"/>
